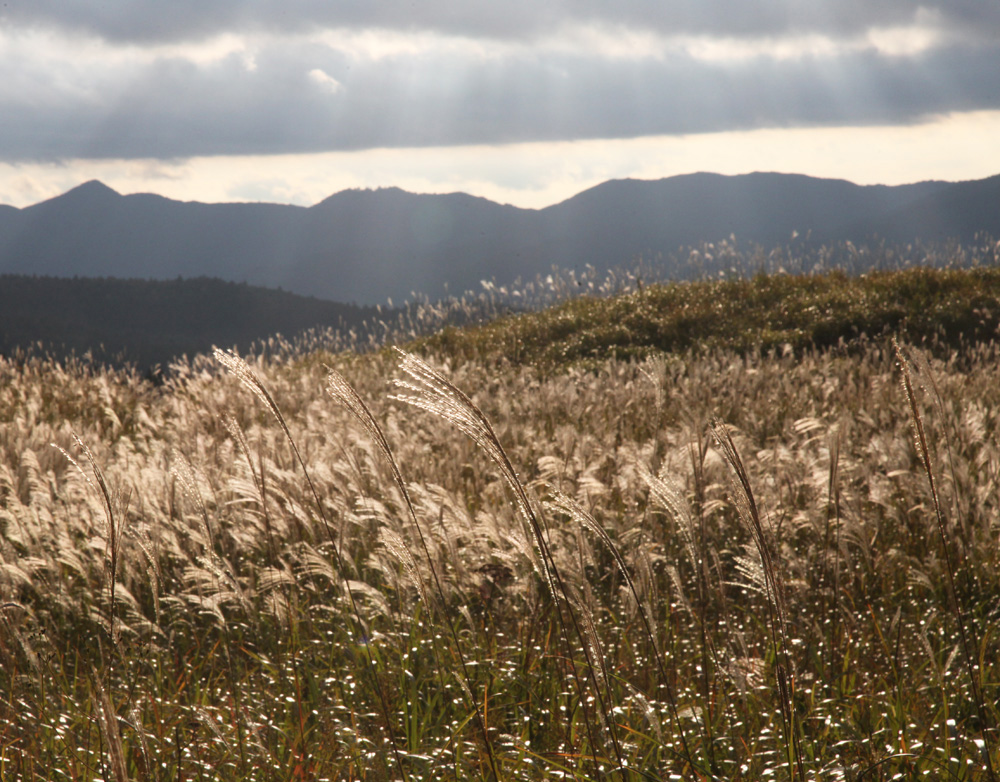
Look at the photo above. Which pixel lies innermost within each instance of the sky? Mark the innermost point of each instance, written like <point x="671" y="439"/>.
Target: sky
<point x="514" y="100"/>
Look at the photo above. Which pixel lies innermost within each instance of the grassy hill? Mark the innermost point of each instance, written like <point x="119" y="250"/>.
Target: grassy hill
<point x="545" y="551"/>
<point x="946" y="307"/>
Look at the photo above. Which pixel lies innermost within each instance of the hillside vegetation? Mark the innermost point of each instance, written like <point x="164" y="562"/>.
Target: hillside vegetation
<point x="631" y="538"/>
<point x="948" y="307"/>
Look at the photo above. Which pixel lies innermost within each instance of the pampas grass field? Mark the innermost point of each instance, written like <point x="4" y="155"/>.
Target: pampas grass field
<point x="767" y="560"/>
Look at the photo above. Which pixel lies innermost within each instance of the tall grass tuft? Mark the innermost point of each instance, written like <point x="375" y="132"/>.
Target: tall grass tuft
<point x="764" y="573"/>
<point x="343" y="392"/>
<point x="115" y="504"/>
<point x="432" y="392"/>
<point x="965" y="631"/>
<point x="252" y="381"/>
<point x="560" y="502"/>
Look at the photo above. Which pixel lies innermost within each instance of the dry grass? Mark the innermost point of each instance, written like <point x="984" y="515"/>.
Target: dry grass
<point x="349" y="588"/>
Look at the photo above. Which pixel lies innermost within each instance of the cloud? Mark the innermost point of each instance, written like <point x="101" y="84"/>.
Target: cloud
<point x="320" y="93"/>
<point x="126" y="80"/>
<point x="325" y="81"/>
<point x="192" y="20"/>
<point x="958" y="147"/>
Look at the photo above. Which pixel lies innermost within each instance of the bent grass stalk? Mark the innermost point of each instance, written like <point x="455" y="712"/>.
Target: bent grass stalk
<point x="251" y="381"/>
<point x="432" y="392"/>
<point x="343" y="392"/>
<point x="236" y="432"/>
<point x="565" y="504"/>
<point x="115" y="504"/>
<point x="670" y="499"/>
<point x="749" y="513"/>
<point x="115" y="510"/>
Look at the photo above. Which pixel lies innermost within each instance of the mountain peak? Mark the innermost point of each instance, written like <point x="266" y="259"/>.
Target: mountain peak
<point x="93" y="188"/>
<point x="361" y="194"/>
<point x="93" y="192"/>
<point x="368" y="245"/>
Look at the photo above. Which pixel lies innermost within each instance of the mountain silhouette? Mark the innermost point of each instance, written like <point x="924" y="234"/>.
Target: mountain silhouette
<point x="366" y="246"/>
<point x="148" y="322"/>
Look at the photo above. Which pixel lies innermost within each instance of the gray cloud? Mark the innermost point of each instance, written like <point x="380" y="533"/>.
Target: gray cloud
<point x="173" y="108"/>
<point x="509" y="71"/>
<point x="186" y="20"/>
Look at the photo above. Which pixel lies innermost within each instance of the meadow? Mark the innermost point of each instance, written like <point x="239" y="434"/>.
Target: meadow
<point x="742" y="529"/>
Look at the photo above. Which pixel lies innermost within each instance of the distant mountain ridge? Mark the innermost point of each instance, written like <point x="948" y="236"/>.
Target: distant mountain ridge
<point x="366" y="246"/>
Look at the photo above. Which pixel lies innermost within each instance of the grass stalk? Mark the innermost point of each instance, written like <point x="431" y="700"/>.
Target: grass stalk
<point x="964" y="631"/>
<point x="251" y="381"/>
<point x="563" y="503"/>
<point x="107" y="720"/>
<point x="749" y="513"/>
<point x="831" y="608"/>
<point x="432" y="392"/>
<point x="115" y="506"/>
<point x="343" y="392"/>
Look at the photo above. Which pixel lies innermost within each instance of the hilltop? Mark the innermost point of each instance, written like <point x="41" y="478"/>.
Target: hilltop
<point x="950" y="308"/>
<point x="151" y="322"/>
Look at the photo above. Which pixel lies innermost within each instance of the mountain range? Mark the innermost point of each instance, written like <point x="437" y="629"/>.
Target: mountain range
<point x="368" y="246"/>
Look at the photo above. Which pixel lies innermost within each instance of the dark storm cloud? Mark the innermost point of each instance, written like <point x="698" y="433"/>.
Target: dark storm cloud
<point x="186" y="20"/>
<point x="306" y="98"/>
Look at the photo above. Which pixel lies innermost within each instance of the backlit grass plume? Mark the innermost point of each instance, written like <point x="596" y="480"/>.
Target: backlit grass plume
<point x="252" y="381"/>
<point x="344" y="393"/>
<point x="431" y="391"/>
<point x="968" y="644"/>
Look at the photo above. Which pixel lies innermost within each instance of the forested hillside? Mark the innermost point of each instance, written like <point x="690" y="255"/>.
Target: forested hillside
<point x="147" y="322"/>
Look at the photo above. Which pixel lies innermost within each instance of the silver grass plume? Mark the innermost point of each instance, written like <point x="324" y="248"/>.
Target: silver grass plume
<point x="394" y="544"/>
<point x="968" y="645"/>
<point x="583" y="600"/>
<point x="433" y="393"/>
<point x="236" y="431"/>
<point x="648" y="711"/>
<point x="749" y="566"/>
<point x="668" y="497"/>
<point x="115" y="511"/>
<point x="561" y="502"/>
<point x="251" y="381"/>
<point x="750" y="515"/>
<point x="344" y="393"/>
<point x="152" y="567"/>
<point x="185" y="474"/>
<point x="430" y="391"/>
